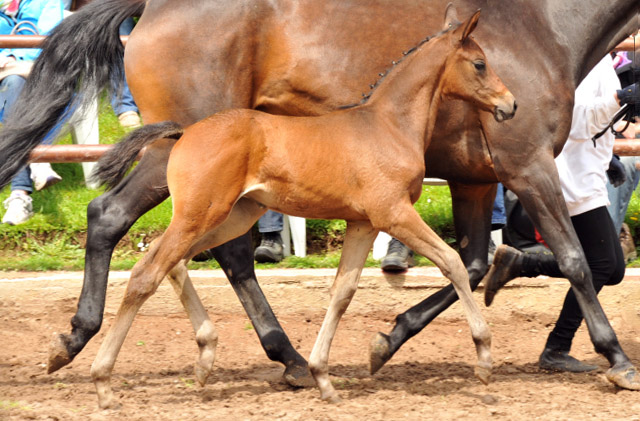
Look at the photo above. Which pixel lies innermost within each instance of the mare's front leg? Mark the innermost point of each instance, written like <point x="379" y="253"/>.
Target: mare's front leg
<point x="109" y="217"/>
<point x="549" y="214"/>
<point x="472" y="205"/>
<point x="357" y="243"/>
<point x="408" y="227"/>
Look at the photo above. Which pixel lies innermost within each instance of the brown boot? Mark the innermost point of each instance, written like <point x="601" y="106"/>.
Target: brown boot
<point x="507" y="264"/>
<point x="627" y="244"/>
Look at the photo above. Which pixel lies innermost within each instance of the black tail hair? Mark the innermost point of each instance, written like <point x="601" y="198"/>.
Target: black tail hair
<point x="81" y="56"/>
<point x="113" y="165"/>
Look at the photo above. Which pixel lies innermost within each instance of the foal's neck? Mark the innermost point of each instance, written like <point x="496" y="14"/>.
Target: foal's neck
<point x="410" y="94"/>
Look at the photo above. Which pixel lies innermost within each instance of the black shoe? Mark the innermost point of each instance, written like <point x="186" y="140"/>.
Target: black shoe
<point x="561" y="361"/>
<point x="506" y="266"/>
<point x="398" y="259"/>
<point x="271" y="249"/>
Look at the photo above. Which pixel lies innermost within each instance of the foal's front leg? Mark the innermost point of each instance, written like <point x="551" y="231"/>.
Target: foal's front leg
<point x="357" y="243"/>
<point x="409" y="228"/>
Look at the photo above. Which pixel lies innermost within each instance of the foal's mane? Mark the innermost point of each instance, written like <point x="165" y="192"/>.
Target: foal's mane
<point x="405" y="54"/>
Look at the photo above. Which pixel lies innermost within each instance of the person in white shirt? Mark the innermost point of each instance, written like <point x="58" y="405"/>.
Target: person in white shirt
<point x="582" y="168"/>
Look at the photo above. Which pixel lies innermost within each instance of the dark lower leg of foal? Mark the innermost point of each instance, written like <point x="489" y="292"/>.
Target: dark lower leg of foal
<point x="236" y="259"/>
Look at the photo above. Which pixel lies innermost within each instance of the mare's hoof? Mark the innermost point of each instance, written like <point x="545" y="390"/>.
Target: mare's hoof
<point x="298" y="375"/>
<point x="483" y="373"/>
<point x="58" y="354"/>
<point x="378" y="352"/>
<point x="626" y="378"/>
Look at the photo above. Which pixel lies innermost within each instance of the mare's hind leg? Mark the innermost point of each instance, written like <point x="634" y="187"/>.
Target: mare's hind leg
<point x="472" y="205"/>
<point x="206" y="335"/>
<point x="357" y="243"/>
<point x="275" y="342"/>
<point x="408" y="227"/>
<point x="109" y="217"/>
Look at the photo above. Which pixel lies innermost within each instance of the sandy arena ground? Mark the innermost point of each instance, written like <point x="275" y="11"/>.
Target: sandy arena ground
<point x="431" y="377"/>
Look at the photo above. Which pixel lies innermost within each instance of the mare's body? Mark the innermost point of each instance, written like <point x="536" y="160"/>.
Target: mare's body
<point x="306" y="57"/>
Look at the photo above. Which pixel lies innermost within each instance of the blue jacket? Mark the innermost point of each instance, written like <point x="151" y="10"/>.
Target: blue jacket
<point x="43" y="14"/>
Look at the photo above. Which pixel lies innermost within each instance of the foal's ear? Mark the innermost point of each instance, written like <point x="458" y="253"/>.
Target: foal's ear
<point x="450" y="17"/>
<point x="467" y="27"/>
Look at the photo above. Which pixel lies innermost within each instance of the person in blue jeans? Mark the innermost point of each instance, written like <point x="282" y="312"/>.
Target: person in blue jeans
<point x="271" y="248"/>
<point x="24" y="17"/>
<point x="122" y="100"/>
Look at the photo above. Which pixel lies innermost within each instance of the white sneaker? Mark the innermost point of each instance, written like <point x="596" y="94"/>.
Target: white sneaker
<point x="19" y="209"/>
<point x="129" y="120"/>
<point x="43" y="175"/>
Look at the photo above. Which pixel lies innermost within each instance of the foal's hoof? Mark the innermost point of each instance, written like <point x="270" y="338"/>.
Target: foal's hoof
<point x="626" y="378"/>
<point x="58" y="354"/>
<point x="378" y="352"/>
<point x="298" y="375"/>
<point x="483" y="373"/>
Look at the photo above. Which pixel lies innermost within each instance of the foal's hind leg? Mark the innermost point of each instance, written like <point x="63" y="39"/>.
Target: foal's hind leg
<point x="180" y="240"/>
<point x="357" y="243"/>
<point x="206" y="335"/>
<point x="409" y="228"/>
<point x="145" y="278"/>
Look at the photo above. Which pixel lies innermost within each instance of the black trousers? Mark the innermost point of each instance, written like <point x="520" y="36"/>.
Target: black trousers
<point x="601" y="245"/>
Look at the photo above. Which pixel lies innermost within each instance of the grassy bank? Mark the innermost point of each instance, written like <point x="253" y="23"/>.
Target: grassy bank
<point x="55" y="237"/>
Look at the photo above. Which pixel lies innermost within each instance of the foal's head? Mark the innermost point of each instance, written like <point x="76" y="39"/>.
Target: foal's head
<point x="468" y="76"/>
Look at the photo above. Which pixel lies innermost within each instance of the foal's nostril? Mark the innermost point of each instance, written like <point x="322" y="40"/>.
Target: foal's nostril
<point x="515" y="106"/>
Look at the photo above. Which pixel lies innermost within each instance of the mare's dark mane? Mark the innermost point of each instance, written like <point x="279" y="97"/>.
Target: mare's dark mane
<point x="382" y="75"/>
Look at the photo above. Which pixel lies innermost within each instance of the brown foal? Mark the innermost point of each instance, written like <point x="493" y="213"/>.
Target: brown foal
<point x="364" y="164"/>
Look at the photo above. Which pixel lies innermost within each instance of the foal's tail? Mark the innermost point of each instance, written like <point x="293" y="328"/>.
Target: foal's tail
<point x="113" y="165"/>
<point x="81" y="56"/>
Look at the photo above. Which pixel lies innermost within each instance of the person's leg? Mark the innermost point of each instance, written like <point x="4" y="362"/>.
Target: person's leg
<point x="271" y="246"/>
<point x="18" y="204"/>
<point x="498" y="219"/>
<point x="619" y="197"/>
<point x="122" y="100"/>
<point x="602" y="248"/>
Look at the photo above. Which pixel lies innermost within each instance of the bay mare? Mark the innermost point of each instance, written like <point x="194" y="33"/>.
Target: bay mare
<point x="305" y="57"/>
<point x="226" y="170"/>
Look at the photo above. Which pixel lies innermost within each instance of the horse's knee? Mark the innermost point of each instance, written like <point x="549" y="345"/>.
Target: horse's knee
<point x="575" y="268"/>
<point x="105" y="219"/>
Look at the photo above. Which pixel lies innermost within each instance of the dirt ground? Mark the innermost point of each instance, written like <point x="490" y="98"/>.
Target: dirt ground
<point x="431" y="376"/>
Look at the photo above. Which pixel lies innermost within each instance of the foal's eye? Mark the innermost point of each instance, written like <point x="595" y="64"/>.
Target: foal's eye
<point x="480" y="66"/>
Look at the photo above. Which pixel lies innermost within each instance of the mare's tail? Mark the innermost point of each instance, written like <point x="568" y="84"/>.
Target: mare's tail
<point x="81" y="56"/>
<point x="113" y="166"/>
